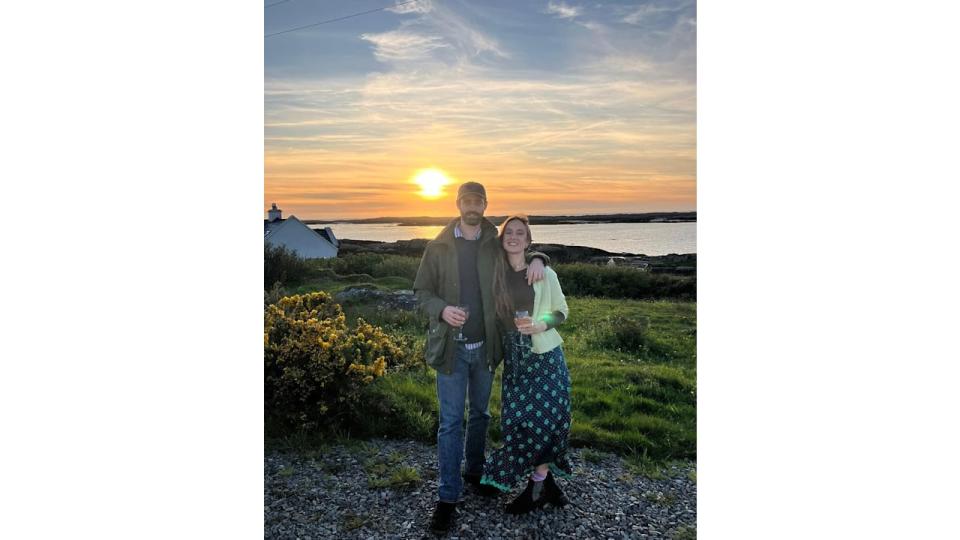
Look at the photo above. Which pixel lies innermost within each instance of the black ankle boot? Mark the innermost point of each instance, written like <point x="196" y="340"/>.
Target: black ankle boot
<point x="443" y="517"/>
<point x="553" y="494"/>
<point x="524" y="502"/>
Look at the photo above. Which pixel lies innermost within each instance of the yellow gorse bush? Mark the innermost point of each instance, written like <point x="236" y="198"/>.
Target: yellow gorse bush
<point x="315" y="366"/>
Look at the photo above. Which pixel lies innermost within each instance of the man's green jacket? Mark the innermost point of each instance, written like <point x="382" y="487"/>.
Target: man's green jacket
<point x="438" y="285"/>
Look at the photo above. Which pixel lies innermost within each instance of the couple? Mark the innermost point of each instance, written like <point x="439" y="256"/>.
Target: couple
<point x="469" y="265"/>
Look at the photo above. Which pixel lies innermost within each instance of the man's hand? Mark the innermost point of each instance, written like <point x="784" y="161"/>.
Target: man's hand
<point x="453" y="316"/>
<point x="534" y="271"/>
<point x="531" y="328"/>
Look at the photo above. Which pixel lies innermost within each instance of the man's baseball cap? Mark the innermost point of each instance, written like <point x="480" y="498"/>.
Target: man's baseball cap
<point x="471" y="188"/>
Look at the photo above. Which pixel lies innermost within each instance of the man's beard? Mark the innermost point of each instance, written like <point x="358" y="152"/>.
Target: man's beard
<point x="471" y="218"/>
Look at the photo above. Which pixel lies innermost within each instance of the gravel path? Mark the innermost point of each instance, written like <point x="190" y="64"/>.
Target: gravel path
<point x="387" y="489"/>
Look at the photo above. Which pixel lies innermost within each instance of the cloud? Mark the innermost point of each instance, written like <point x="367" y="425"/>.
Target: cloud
<point x="641" y="13"/>
<point x="399" y="45"/>
<point x="609" y="123"/>
<point x="595" y="26"/>
<point x="625" y="64"/>
<point x="648" y="11"/>
<point x="565" y="131"/>
<point x="420" y="6"/>
<point x="562" y="10"/>
<point x="437" y="35"/>
<point x="466" y="38"/>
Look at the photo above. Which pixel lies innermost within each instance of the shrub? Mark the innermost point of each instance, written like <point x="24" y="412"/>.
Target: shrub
<point x="274" y="294"/>
<point x="372" y="264"/>
<point x="620" y="334"/>
<point x="395" y="265"/>
<point x="282" y="265"/>
<point x="413" y="322"/>
<point x="315" y="367"/>
<point x="356" y="263"/>
<point x="581" y="279"/>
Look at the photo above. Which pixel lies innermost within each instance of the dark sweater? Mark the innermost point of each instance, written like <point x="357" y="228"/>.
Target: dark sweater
<point x="470" y="289"/>
<point x="522" y="296"/>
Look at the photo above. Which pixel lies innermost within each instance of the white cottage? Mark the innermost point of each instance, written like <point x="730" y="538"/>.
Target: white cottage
<point x="295" y="235"/>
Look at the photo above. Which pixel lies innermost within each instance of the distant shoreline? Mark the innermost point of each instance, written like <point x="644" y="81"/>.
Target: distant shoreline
<point x="674" y="262"/>
<point x="425" y="221"/>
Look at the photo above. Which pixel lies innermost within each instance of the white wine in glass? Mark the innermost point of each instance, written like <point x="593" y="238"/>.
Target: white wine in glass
<point x="521" y="318"/>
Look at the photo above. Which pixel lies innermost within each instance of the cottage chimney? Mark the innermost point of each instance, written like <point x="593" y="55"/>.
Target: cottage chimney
<point x="274" y="213"/>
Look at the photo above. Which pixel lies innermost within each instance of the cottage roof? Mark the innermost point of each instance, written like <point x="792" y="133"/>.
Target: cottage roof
<point x="323" y="233"/>
<point x="270" y="227"/>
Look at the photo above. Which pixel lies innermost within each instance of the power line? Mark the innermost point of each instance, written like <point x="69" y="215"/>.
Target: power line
<point x="275" y="3"/>
<point x="338" y="18"/>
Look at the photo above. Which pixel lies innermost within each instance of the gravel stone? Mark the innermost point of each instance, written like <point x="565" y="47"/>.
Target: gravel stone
<point x="324" y="494"/>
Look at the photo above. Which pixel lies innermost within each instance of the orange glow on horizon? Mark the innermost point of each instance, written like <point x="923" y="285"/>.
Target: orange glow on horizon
<point x="405" y="183"/>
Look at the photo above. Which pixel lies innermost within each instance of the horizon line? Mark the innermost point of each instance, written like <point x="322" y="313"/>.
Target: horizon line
<point x="452" y="216"/>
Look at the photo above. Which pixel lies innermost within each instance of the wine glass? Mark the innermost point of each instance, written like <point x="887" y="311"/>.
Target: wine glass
<point x="466" y="315"/>
<point x="521" y="316"/>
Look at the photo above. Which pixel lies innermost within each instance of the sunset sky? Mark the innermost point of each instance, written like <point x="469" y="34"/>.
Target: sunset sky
<point x="556" y="107"/>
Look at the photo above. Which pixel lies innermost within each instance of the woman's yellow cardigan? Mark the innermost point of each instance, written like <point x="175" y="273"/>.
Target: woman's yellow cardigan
<point x="547" y="298"/>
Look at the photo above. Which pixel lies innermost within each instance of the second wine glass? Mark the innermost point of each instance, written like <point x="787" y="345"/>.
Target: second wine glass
<point x="466" y="315"/>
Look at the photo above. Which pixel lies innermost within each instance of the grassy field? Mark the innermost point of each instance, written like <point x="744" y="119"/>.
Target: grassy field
<point x="632" y="364"/>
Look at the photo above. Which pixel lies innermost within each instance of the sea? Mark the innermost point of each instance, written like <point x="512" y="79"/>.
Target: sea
<point x="637" y="238"/>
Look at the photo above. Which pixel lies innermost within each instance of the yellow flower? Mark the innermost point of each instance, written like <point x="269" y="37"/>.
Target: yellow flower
<point x="380" y="366"/>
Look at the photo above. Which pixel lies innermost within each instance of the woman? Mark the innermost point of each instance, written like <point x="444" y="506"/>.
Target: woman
<point x="535" y="400"/>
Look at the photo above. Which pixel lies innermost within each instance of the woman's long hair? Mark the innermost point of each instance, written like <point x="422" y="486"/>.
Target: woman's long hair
<point x="501" y="295"/>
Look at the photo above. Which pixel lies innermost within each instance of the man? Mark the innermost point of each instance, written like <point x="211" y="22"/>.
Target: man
<point x="457" y="271"/>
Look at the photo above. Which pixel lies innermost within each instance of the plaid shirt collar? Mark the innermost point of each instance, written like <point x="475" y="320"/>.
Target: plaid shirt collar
<point x="457" y="233"/>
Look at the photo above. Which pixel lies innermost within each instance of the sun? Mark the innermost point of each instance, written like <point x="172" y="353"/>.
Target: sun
<point x="431" y="182"/>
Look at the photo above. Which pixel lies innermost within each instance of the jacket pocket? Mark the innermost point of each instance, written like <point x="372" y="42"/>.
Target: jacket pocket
<point x="436" y="341"/>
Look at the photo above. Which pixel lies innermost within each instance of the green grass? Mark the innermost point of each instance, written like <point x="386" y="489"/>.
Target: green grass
<point x="591" y="456"/>
<point x="389" y="473"/>
<point x="335" y="284"/>
<point x="409" y="323"/>
<point x="634" y="403"/>
<point x="641" y="465"/>
<point x="578" y="279"/>
<point x="404" y="477"/>
<point x="314" y="443"/>
<point x="638" y="401"/>
<point x="641" y="405"/>
<point x="685" y="532"/>
<point x="660" y="498"/>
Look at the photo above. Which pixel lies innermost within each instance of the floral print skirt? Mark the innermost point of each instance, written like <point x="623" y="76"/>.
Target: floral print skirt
<point x="534" y="414"/>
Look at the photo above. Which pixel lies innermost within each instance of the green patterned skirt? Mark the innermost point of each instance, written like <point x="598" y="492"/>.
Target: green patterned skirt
<point x="534" y="414"/>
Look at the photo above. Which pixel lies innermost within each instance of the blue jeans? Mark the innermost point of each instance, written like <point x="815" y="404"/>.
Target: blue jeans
<point x="471" y="377"/>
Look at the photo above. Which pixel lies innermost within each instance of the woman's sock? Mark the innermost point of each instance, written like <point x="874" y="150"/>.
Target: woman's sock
<point x="537" y="484"/>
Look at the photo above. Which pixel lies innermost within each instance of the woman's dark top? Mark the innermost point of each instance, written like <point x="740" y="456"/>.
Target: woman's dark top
<point x="522" y="295"/>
